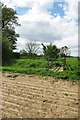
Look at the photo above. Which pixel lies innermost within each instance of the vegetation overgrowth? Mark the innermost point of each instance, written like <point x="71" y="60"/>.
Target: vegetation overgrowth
<point x="40" y="66"/>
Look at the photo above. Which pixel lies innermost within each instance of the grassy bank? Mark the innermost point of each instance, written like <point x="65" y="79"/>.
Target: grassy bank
<point x="40" y="67"/>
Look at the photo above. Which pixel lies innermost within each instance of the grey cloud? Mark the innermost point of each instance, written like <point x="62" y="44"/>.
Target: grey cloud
<point x="41" y="31"/>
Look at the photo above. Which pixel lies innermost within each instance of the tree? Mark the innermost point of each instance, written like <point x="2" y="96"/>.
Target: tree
<point x="51" y="52"/>
<point x="9" y="17"/>
<point x="11" y="35"/>
<point x="6" y="51"/>
<point x="64" y="53"/>
<point x="9" y="20"/>
<point x="32" y="48"/>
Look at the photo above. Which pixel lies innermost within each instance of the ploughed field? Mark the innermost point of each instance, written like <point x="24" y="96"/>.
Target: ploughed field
<point x="30" y="96"/>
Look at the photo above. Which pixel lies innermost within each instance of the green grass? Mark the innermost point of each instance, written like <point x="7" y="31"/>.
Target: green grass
<point x="33" y="63"/>
<point x="72" y="70"/>
<point x="40" y="67"/>
<point x="37" y="71"/>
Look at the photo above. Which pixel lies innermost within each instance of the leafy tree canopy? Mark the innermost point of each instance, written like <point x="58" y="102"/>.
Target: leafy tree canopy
<point x="51" y="52"/>
<point x="9" y="36"/>
<point x="9" y="17"/>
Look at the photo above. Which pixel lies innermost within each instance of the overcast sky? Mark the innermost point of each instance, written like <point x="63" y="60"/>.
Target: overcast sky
<point x="47" y="21"/>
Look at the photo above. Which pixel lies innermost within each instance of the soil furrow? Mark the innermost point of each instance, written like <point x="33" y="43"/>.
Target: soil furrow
<point x="27" y="96"/>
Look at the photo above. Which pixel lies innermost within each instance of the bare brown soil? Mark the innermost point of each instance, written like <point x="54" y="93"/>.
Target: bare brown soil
<point x="30" y="96"/>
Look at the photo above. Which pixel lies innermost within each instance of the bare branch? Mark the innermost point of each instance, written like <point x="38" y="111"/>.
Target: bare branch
<point x="32" y="47"/>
